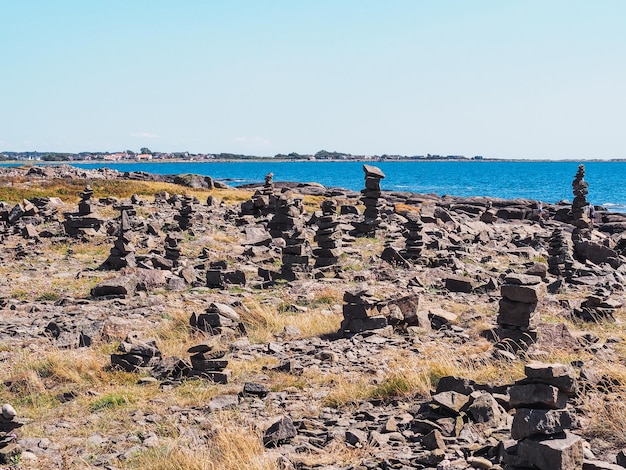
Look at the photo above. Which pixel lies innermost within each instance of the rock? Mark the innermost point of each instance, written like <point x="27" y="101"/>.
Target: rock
<point x="8" y="412"/>
<point x="539" y="395"/>
<point x="433" y="440"/>
<point x="599" y="465"/>
<point x="528" y="422"/>
<point x="452" y="401"/>
<point x="560" y="453"/>
<point x="281" y="432"/>
<point x="530" y="294"/>
<point x="120" y="286"/>
<point x="222" y="402"/>
<point x="561" y="376"/>
<point x="459" y="284"/>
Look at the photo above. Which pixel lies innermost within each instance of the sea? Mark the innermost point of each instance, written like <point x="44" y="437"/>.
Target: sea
<point x="546" y="181"/>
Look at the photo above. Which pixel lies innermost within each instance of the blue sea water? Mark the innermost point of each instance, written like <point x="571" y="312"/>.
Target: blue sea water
<point x="549" y="182"/>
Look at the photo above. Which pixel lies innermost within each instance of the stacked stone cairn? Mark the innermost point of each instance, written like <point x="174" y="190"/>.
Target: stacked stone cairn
<point x="581" y="222"/>
<point x="262" y="201"/>
<point x="361" y="311"/>
<point x="9" y="448"/>
<point x="218" y="319"/>
<point x="185" y="215"/>
<point x="208" y="362"/>
<point x="134" y="354"/>
<point x="327" y="237"/>
<point x="517" y="319"/>
<point x="20" y="251"/>
<point x="84" y="222"/>
<point x="560" y="262"/>
<point x="542" y="421"/>
<point x="371" y="198"/>
<point x="413" y="235"/>
<point x="122" y="253"/>
<point x="172" y="248"/>
<point x="599" y="306"/>
<point x="287" y="223"/>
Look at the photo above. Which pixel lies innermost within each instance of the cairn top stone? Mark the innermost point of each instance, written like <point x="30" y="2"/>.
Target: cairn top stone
<point x="372" y="171"/>
<point x="522" y="279"/>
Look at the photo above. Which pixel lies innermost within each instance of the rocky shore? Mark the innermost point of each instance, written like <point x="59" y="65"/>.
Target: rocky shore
<point x="337" y="329"/>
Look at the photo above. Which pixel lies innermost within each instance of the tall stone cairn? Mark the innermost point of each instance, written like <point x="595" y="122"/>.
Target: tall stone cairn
<point x="84" y="206"/>
<point x="560" y="262"/>
<point x="413" y="235"/>
<point x="517" y="320"/>
<point x="185" y="214"/>
<point x="327" y="237"/>
<point x="172" y="248"/>
<point x="371" y="199"/>
<point x="582" y="223"/>
<point x="288" y="224"/>
<point x="542" y="421"/>
<point x="122" y="253"/>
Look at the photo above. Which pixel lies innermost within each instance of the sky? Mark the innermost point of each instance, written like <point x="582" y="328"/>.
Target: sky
<point x="498" y="78"/>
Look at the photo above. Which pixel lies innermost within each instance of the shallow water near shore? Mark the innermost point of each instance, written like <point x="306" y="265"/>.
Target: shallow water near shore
<point x="549" y="182"/>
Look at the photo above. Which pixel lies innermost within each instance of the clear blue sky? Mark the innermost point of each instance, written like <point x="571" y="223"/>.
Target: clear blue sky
<point x="499" y="78"/>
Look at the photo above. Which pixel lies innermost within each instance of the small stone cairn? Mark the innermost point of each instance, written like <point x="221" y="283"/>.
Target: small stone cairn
<point x="599" y="306"/>
<point x="361" y="311"/>
<point x="84" y="222"/>
<point x="172" y="248"/>
<point x="122" y="253"/>
<point x="287" y="223"/>
<point x="371" y="198"/>
<point x="217" y="319"/>
<point x="135" y="353"/>
<point x="185" y="214"/>
<point x="413" y="235"/>
<point x="582" y="222"/>
<point x="9" y="448"/>
<point x="560" y="262"/>
<point x="327" y="237"/>
<point x="86" y="203"/>
<point x="262" y="201"/>
<point x="516" y="317"/>
<point x="542" y="422"/>
<point x="208" y="362"/>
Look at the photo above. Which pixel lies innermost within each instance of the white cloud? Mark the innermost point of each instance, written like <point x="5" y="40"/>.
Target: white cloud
<point x="145" y="135"/>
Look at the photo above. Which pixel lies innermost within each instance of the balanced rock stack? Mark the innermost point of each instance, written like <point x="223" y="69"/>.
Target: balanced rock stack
<point x="122" y="253"/>
<point x="542" y="422"/>
<point x="560" y="262"/>
<point x="85" y="204"/>
<point x="371" y="199"/>
<point x="134" y="354"/>
<point x="208" y="362"/>
<point x="413" y="235"/>
<point x="262" y="201"/>
<point x="172" y="248"/>
<point x="598" y="306"/>
<point x="581" y="222"/>
<point x="361" y="311"/>
<point x="516" y="317"/>
<point x="287" y="223"/>
<point x="218" y="319"/>
<point x="185" y="213"/>
<point x="84" y="222"/>
<point x="9" y="448"/>
<point x="327" y="237"/>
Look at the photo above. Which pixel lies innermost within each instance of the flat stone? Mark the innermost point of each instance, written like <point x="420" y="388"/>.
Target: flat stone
<point x="523" y="293"/>
<point x="452" y="401"/>
<point x="537" y="395"/>
<point x="561" y="376"/>
<point x="528" y="422"/>
<point x="522" y="279"/>
<point x="553" y="453"/>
